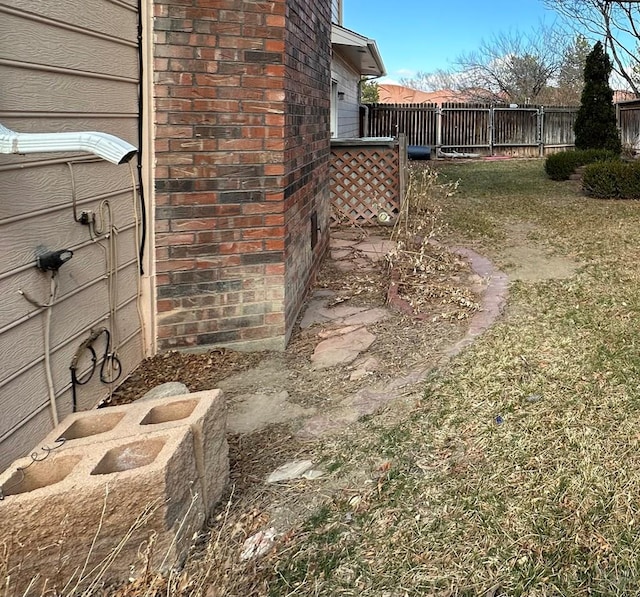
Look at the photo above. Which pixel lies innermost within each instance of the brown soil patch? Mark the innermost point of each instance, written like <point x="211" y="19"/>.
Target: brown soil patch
<point x="529" y="259"/>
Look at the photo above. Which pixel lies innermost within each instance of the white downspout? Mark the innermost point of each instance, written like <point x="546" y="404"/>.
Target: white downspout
<point x="108" y="147"/>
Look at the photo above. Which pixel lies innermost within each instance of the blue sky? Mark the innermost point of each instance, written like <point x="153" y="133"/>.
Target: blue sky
<point x="426" y="35"/>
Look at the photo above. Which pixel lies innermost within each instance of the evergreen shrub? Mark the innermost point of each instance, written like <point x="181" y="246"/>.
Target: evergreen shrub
<point x="595" y="126"/>
<point x="612" y="180"/>
<point x="560" y="166"/>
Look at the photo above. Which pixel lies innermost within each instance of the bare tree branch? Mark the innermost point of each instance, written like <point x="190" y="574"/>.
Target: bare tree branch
<point x="615" y="23"/>
<point x="514" y="66"/>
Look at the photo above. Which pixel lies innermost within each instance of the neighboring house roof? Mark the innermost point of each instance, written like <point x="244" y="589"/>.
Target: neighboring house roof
<point x="390" y="93"/>
<point x="620" y="96"/>
<point x="361" y="52"/>
<point x="399" y="94"/>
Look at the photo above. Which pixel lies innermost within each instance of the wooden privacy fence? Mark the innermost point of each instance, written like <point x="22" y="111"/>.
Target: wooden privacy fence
<point x="628" y="114"/>
<point x="478" y="128"/>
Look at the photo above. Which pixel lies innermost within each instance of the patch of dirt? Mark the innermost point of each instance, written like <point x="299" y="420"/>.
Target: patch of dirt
<point x="528" y="259"/>
<point x="197" y="371"/>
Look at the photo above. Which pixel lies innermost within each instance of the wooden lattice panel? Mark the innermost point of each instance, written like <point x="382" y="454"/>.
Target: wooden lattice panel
<point x="365" y="180"/>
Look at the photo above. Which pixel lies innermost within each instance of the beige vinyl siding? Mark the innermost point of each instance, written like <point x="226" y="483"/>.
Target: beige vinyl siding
<point x="348" y="108"/>
<point x="64" y="66"/>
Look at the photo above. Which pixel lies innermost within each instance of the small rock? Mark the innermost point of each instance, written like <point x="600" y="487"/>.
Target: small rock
<point x="166" y="390"/>
<point x="534" y="398"/>
<point x="289" y="471"/>
<point x="259" y="544"/>
<point x="313" y="474"/>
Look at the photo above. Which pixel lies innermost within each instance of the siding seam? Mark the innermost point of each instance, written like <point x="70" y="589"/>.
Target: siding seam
<point x="77" y="335"/>
<point x="74" y="248"/>
<point x="67" y="71"/>
<point x="49" y="210"/>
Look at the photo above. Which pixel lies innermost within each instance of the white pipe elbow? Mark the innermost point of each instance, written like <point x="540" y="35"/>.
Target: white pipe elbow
<point x="108" y="147"/>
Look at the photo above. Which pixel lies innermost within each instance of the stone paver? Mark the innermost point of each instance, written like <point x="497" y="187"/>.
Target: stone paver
<point x="341" y="349"/>
<point x="363" y="368"/>
<point x="339" y="312"/>
<point x="313" y="314"/>
<point x="375" y="249"/>
<point x="330" y="333"/>
<point x="367" y="317"/>
<point x="369" y="399"/>
<point x="336" y="243"/>
<point x="338" y="254"/>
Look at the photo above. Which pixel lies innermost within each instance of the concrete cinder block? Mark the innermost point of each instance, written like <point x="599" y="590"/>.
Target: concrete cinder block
<point x="203" y="412"/>
<point x="104" y="424"/>
<point x="66" y="516"/>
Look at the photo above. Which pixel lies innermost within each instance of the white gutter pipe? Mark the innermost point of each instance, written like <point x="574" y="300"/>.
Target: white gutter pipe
<point x="108" y="147"/>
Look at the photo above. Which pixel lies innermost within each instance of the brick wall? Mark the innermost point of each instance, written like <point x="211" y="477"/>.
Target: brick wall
<point x="307" y="153"/>
<point x="242" y="150"/>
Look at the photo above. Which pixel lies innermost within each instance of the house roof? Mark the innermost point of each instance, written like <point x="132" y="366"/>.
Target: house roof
<point x="620" y="96"/>
<point x="361" y="52"/>
<point x="398" y="94"/>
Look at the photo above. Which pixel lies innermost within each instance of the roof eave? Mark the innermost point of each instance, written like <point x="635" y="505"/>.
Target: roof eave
<point x="360" y="51"/>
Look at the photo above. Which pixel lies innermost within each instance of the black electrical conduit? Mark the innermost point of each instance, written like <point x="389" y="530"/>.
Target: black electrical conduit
<point x="108" y="358"/>
<point x="143" y="209"/>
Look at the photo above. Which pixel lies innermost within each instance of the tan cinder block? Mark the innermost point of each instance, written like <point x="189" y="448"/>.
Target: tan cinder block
<point x="204" y="412"/>
<point x="105" y="424"/>
<point x="64" y="516"/>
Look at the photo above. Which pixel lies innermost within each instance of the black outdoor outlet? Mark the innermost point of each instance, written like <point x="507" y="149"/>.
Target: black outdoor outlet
<point x="53" y="260"/>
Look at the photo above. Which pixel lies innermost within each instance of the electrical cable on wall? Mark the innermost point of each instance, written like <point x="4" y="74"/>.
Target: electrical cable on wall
<point x="111" y="149"/>
<point x="102" y="227"/>
<point x="107" y="230"/>
<point x="50" y="261"/>
<point x="47" y="343"/>
<point x="106" y="377"/>
<point x="143" y="209"/>
<point x="139" y="242"/>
